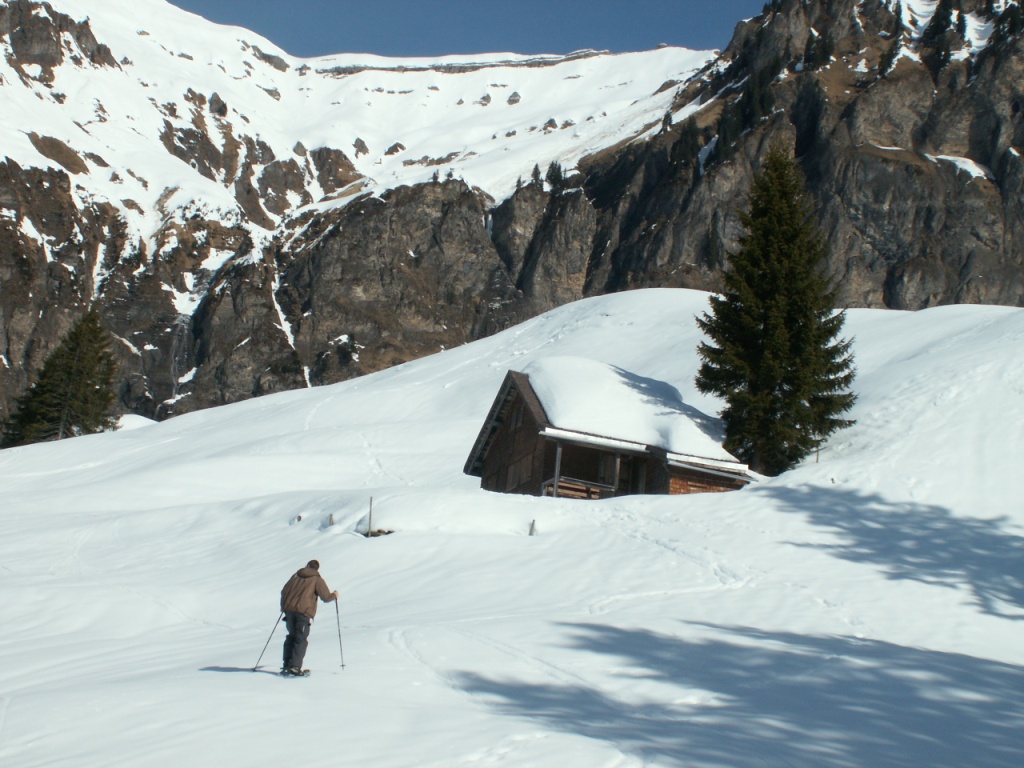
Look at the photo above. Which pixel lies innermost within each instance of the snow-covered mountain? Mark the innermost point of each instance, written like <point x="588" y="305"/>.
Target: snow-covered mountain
<point x="248" y="222"/>
<point x="157" y="157"/>
<point x="864" y="609"/>
<point x="203" y="114"/>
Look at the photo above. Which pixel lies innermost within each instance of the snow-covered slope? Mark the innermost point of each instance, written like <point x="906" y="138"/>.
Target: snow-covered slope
<point x="863" y="609"/>
<point x="487" y="119"/>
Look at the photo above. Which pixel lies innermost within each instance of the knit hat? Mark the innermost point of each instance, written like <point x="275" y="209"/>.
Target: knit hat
<point x="315" y="565"/>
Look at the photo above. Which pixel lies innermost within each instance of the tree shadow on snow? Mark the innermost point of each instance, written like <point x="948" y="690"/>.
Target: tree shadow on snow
<point x="746" y="697"/>
<point x="922" y="542"/>
<point x="666" y="397"/>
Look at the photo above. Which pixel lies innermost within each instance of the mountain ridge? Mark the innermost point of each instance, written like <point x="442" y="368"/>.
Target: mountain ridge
<point x="234" y="254"/>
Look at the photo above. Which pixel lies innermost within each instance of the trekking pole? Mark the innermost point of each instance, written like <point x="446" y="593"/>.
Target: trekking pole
<point x="337" y="612"/>
<point x="268" y="641"/>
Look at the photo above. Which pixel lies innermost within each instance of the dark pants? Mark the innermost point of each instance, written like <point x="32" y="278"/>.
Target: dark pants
<point x="298" y="638"/>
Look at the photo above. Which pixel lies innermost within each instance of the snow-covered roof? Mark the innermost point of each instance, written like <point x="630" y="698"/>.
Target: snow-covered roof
<point x="606" y="403"/>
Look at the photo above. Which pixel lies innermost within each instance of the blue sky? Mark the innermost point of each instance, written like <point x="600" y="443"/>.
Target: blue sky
<point x="437" y="27"/>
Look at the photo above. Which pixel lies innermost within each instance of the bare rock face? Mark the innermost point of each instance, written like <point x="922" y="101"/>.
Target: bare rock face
<point x="36" y="38"/>
<point x="515" y="223"/>
<point x="555" y="265"/>
<point x="333" y="169"/>
<point x="914" y="173"/>
<point x="383" y="281"/>
<point x="241" y="347"/>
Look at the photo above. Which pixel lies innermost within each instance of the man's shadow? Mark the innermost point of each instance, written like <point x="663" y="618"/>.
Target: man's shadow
<point x="239" y="669"/>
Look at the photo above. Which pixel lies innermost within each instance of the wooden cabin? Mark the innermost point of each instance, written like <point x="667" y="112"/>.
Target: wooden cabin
<point x="523" y="448"/>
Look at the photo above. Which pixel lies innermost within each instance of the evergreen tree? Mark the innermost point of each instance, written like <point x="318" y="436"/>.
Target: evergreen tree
<point x="774" y="354"/>
<point x="555" y="177"/>
<point x="73" y="393"/>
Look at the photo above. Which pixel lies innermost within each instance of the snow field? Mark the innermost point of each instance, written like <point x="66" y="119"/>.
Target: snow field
<point x="863" y="609"/>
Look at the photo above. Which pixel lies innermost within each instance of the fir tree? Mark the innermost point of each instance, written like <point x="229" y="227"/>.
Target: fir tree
<point x="73" y="393"/>
<point x="555" y="177"/>
<point x="773" y="353"/>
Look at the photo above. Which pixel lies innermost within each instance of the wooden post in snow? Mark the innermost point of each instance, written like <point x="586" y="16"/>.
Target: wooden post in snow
<point x="558" y="466"/>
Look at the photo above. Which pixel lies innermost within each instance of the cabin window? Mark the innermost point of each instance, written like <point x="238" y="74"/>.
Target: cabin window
<point x="517" y="418"/>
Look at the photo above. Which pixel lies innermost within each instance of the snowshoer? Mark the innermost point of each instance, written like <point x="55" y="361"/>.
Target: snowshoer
<point x="298" y="604"/>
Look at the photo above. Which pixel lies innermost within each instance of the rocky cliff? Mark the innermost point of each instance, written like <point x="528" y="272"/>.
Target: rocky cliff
<point x="912" y="154"/>
<point x="242" y="247"/>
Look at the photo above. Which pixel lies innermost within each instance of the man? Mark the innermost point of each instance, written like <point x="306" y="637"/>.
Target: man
<point x="298" y="603"/>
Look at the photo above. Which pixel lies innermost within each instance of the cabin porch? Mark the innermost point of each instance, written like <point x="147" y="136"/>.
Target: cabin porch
<point x="579" y="471"/>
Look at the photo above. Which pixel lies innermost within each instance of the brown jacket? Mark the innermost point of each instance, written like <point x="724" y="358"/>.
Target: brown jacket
<point x="302" y="590"/>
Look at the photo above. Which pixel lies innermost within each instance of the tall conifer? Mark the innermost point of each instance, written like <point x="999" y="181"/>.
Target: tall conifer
<point x="774" y="353"/>
<point x="73" y="393"/>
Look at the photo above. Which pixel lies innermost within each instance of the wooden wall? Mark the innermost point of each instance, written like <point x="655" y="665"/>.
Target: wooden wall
<point x="688" y="481"/>
<point x="515" y="461"/>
